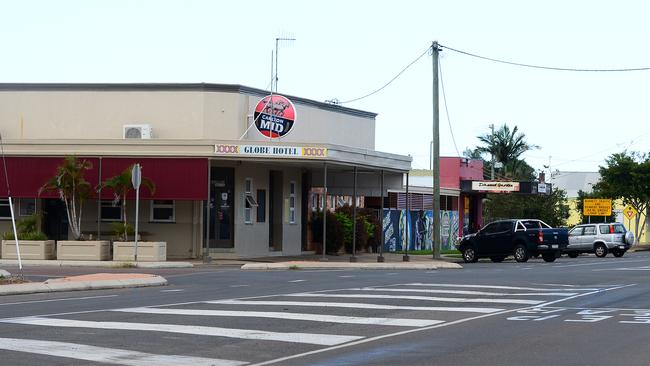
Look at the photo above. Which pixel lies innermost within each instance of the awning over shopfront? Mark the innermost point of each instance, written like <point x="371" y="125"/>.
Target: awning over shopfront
<point x="174" y="178"/>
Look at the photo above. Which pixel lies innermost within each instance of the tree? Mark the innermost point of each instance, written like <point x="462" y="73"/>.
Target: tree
<point x="121" y="186"/>
<point x="73" y="189"/>
<point x="551" y="208"/>
<point x="627" y="176"/>
<point x="506" y="146"/>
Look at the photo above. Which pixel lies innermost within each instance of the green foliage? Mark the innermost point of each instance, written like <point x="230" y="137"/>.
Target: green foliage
<point x="27" y="230"/>
<point x="334" y="231"/>
<point x="506" y="146"/>
<point x="627" y="177"/>
<point x="551" y="208"/>
<point x="121" y="185"/>
<point x="122" y="230"/>
<point x="366" y="223"/>
<point x="73" y="189"/>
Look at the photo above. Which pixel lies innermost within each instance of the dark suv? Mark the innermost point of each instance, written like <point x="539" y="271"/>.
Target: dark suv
<point x="520" y="238"/>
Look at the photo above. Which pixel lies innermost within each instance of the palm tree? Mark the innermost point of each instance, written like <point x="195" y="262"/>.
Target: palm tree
<point x="506" y="146"/>
<point x="121" y="186"/>
<point x="73" y="189"/>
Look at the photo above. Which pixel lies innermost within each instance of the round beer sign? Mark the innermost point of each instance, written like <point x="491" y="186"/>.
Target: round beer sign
<point x="274" y="116"/>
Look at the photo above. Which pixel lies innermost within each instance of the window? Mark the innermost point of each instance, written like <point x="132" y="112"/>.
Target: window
<point x="490" y="229"/>
<point x="292" y="202"/>
<point x="619" y="229"/>
<point x="604" y="229"/>
<point x="27" y="206"/>
<point x="504" y="227"/>
<point x="163" y="211"/>
<point x="261" y="208"/>
<point x="110" y="211"/>
<point x="5" y="210"/>
<point x="249" y="201"/>
<point x="590" y="230"/>
<point x="576" y="231"/>
<point x="531" y="224"/>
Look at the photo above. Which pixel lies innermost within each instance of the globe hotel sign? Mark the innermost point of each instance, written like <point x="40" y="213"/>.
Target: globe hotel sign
<point x="270" y="151"/>
<point x="274" y="116"/>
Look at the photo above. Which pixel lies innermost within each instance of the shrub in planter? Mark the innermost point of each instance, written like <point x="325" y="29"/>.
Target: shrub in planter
<point x="26" y="229"/>
<point x="365" y="228"/>
<point x="334" y="231"/>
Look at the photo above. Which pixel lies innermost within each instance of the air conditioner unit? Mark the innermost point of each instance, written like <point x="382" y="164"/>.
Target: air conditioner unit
<point x="137" y="131"/>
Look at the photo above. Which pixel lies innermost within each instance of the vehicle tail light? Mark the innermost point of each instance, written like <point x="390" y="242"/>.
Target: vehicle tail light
<point x="540" y="237"/>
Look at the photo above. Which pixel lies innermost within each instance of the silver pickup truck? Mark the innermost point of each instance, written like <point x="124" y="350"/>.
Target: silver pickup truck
<point x="599" y="239"/>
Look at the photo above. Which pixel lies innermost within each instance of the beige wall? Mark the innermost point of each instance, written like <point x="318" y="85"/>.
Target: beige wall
<point x="173" y="115"/>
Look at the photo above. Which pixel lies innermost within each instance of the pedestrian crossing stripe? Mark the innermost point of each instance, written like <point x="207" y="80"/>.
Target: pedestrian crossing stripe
<point x="399" y="322"/>
<point x="107" y="355"/>
<point x="307" y="338"/>
<point x="462" y="292"/>
<point x="356" y="305"/>
<point x="426" y="298"/>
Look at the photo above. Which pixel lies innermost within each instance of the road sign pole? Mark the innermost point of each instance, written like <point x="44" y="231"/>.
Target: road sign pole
<point x="136" y="179"/>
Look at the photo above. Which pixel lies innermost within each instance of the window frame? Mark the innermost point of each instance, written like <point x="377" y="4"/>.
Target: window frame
<point x="249" y="201"/>
<point x="21" y="205"/>
<point x="155" y="205"/>
<point x="292" y="202"/>
<point x="111" y="205"/>
<point x="5" y="202"/>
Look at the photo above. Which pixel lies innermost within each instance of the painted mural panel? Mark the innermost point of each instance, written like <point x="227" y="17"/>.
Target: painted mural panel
<point x="420" y="226"/>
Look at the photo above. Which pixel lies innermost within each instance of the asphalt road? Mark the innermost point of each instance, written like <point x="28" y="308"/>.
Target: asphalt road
<point x="583" y="311"/>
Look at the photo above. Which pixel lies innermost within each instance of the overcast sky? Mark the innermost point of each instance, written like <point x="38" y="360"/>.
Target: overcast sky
<point x="346" y="49"/>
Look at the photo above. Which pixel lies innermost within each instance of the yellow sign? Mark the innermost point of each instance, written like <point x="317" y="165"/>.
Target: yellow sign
<point x="271" y="151"/>
<point x="597" y="207"/>
<point x="629" y="212"/>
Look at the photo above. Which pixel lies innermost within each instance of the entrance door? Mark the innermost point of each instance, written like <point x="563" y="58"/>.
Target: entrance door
<point x="275" y="210"/>
<point x="55" y="219"/>
<point x="221" y="207"/>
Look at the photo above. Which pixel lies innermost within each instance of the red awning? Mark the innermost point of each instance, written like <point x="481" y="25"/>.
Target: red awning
<point x="174" y="178"/>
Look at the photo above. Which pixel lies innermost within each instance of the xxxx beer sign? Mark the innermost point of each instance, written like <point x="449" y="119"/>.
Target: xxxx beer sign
<point x="274" y="116"/>
<point x="270" y="151"/>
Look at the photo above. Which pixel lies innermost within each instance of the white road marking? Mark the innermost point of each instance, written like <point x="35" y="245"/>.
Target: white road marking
<point x="308" y="338"/>
<point x="346" y="276"/>
<point x="174" y="290"/>
<point x="644" y="268"/>
<point x="65" y="299"/>
<point x="298" y="281"/>
<point x="399" y="322"/>
<point x="356" y="305"/>
<point x="239" y="285"/>
<point x="598" y="263"/>
<point x="107" y="355"/>
<point x="499" y="287"/>
<point x="461" y="292"/>
<point x="443" y="299"/>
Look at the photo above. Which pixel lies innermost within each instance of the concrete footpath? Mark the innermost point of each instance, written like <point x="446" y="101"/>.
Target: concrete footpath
<point x="103" y="264"/>
<point x="360" y="261"/>
<point x="97" y="281"/>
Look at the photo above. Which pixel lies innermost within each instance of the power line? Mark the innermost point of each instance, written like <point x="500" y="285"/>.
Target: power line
<point x="544" y="67"/>
<point x="336" y="101"/>
<point x="444" y="97"/>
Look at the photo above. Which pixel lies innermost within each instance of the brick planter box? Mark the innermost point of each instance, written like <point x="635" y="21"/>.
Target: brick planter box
<point x="29" y="249"/>
<point x="148" y="251"/>
<point x="86" y="250"/>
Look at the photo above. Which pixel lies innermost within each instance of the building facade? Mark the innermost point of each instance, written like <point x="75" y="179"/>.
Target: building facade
<point x="234" y="169"/>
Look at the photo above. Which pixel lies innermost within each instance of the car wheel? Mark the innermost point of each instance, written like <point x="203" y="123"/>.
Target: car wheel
<point x="469" y="255"/>
<point x="521" y="253"/>
<point x="600" y="250"/>
<point x="573" y="254"/>
<point x="618" y="253"/>
<point x="497" y="258"/>
<point x="548" y="257"/>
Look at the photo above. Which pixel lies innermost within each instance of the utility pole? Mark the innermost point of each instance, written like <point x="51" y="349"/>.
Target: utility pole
<point x="436" y="154"/>
<point x="492" y="153"/>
